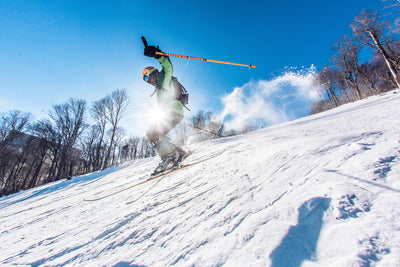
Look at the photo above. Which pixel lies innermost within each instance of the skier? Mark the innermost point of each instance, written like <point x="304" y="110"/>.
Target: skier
<point x="171" y="108"/>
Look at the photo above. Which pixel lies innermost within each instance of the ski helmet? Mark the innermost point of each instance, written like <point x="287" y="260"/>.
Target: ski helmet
<point x="147" y="72"/>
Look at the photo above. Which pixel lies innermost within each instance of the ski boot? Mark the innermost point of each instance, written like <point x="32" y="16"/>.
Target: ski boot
<point x="168" y="163"/>
<point x="183" y="155"/>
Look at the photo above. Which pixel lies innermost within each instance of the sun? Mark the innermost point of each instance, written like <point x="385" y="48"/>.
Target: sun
<point x="156" y="115"/>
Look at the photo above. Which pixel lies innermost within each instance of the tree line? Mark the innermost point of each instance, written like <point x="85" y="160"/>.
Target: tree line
<point x="363" y="63"/>
<point x="64" y="144"/>
<point x="59" y="146"/>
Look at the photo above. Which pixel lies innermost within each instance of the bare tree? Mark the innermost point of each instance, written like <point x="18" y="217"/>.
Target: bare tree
<point x="118" y="144"/>
<point x="200" y="121"/>
<point x="12" y="124"/>
<point x="68" y="119"/>
<point x="41" y="147"/>
<point x="48" y="130"/>
<point x="376" y="35"/>
<point x="146" y="148"/>
<point x="89" y="149"/>
<point x="327" y="79"/>
<point x="390" y="7"/>
<point x="131" y="149"/>
<point x="99" y="113"/>
<point x="348" y="78"/>
<point x="346" y="59"/>
<point x="116" y="105"/>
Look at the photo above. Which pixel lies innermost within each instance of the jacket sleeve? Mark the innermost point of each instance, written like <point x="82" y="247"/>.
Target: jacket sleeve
<point x="166" y="72"/>
<point x="164" y="80"/>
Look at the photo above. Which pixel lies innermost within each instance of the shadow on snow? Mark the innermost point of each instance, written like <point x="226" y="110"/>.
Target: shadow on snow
<point x="127" y="264"/>
<point x="300" y="242"/>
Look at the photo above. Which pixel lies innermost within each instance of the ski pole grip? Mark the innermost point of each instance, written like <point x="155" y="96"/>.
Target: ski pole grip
<point x="144" y="41"/>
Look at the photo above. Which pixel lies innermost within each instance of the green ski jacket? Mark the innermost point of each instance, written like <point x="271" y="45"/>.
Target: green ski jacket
<point x="165" y="90"/>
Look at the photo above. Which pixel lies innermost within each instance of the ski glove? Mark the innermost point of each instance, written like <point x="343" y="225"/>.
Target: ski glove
<point x="150" y="51"/>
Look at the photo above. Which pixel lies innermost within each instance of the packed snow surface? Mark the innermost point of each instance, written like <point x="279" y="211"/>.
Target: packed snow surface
<point x="320" y="191"/>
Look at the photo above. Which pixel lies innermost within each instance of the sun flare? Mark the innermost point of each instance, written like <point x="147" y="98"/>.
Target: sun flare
<point x="156" y="115"/>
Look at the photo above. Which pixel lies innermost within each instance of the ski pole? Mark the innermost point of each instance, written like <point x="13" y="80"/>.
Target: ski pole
<point x="197" y="128"/>
<point x="204" y="59"/>
<point x="196" y="58"/>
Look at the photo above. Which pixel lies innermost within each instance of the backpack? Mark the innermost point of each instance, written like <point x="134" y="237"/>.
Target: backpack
<point x="181" y="93"/>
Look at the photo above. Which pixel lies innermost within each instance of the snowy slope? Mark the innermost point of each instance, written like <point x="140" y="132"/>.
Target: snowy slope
<point x="319" y="191"/>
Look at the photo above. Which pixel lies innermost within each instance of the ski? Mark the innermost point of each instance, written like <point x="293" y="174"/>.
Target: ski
<point x="140" y="183"/>
<point x="162" y="176"/>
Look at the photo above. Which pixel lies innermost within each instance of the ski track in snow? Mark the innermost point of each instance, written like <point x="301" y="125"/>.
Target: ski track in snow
<point x="319" y="191"/>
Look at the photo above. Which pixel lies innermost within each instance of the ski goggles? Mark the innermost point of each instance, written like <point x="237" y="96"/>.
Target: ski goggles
<point x="146" y="78"/>
<point x="149" y="73"/>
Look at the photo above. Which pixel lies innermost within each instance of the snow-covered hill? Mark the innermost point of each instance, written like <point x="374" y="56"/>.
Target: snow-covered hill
<point x="319" y="191"/>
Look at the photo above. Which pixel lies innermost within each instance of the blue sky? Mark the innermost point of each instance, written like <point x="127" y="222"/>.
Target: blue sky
<point x="53" y="50"/>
